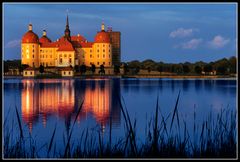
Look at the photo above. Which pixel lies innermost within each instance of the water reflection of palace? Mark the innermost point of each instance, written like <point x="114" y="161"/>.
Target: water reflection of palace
<point x="63" y="98"/>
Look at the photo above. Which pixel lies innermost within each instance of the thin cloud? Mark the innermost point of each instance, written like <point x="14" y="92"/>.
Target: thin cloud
<point x="218" y="42"/>
<point x="13" y="43"/>
<point x="181" y="32"/>
<point x="192" y="44"/>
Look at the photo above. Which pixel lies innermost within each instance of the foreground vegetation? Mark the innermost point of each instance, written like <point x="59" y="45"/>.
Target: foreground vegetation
<point x="166" y="137"/>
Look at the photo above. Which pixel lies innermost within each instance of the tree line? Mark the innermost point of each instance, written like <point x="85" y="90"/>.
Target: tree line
<point x="223" y="66"/>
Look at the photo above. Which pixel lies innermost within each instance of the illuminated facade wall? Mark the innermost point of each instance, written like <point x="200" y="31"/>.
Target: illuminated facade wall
<point x="30" y="54"/>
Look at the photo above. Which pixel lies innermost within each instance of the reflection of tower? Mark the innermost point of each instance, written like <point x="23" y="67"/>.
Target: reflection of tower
<point x="100" y="99"/>
<point x="30" y="104"/>
<point x="46" y="98"/>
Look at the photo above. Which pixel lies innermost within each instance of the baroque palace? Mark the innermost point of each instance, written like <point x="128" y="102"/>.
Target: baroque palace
<point x="71" y="50"/>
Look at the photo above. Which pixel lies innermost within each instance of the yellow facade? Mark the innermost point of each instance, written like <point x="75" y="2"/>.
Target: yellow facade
<point x="30" y="54"/>
<point x="65" y="58"/>
<point x="29" y="73"/>
<point x="47" y="57"/>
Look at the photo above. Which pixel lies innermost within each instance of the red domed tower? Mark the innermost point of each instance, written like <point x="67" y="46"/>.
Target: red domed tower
<point x="102" y="48"/>
<point x="44" y="38"/>
<point x="30" y="48"/>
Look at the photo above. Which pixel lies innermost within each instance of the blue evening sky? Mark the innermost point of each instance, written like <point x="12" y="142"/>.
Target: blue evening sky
<point x="161" y="31"/>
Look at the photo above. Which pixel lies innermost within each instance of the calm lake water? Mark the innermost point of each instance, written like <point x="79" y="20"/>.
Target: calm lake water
<point x="44" y="104"/>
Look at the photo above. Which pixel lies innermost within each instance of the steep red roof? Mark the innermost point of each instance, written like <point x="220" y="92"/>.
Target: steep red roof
<point x="44" y="39"/>
<point x="30" y="37"/>
<point x="65" y="45"/>
<point x="102" y="37"/>
<point x="78" y="38"/>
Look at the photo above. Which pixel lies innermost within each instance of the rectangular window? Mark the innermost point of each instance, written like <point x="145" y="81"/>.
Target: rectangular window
<point x="104" y="50"/>
<point x="90" y="51"/>
<point x="90" y="56"/>
<point x="69" y="72"/>
<point x="33" y="63"/>
<point x="70" y="60"/>
<point x="31" y="73"/>
<point x="64" y="72"/>
<point x="98" y="63"/>
<point x="98" y="56"/>
<point x="103" y="56"/>
<point x="25" y="73"/>
<point x="103" y="45"/>
<point x="109" y="63"/>
<point x="65" y="55"/>
<point x="43" y="56"/>
<point x="33" y="56"/>
<point x="33" y="50"/>
<point x="97" y="50"/>
<point x="109" y="56"/>
<point x="109" y="50"/>
<point x="103" y="63"/>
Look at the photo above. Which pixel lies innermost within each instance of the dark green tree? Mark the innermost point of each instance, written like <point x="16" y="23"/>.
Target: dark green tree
<point x="208" y="68"/>
<point x="125" y="68"/>
<point x="83" y="69"/>
<point x="6" y="68"/>
<point x="77" y="68"/>
<point x="186" y="68"/>
<point x="102" y="70"/>
<point x="93" y="68"/>
<point x="41" y="69"/>
<point x="198" y="69"/>
<point x="116" y="69"/>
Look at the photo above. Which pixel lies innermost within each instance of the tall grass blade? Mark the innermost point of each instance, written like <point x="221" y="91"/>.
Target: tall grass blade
<point x="68" y="146"/>
<point x="19" y="123"/>
<point x="51" y="141"/>
<point x="174" y="112"/>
